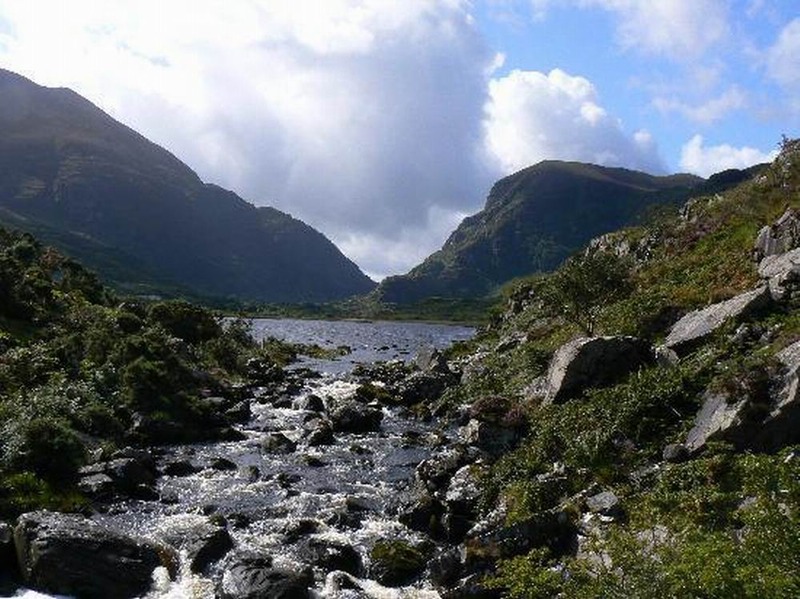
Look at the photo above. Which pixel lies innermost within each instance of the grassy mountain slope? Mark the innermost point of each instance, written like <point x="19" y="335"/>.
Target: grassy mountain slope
<point x="724" y="523"/>
<point x="78" y="178"/>
<point x="532" y="220"/>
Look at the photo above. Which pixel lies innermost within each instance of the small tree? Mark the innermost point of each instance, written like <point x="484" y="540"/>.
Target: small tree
<point x="585" y="285"/>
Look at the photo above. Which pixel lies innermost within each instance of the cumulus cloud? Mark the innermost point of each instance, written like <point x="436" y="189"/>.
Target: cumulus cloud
<point x="362" y="117"/>
<point x="706" y="160"/>
<point x="533" y="116"/>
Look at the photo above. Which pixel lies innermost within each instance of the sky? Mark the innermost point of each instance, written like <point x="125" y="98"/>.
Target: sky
<point x="383" y="123"/>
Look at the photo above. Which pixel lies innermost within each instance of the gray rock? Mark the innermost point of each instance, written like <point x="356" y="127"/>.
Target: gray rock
<point x="779" y="237"/>
<point x="492" y="438"/>
<point x="250" y="576"/>
<point x="278" y="443"/>
<point x="128" y="476"/>
<point x="310" y="403"/>
<point x="698" y="325"/>
<point x="782" y="273"/>
<point x="356" y="418"/>
<point x="605" y="503"/>
<point x="593" y="362"/>
<point x="430" y="359"/>
<point x="203" y="541"/>
<point x="66" y="554"/>
<point x="330" y="555"/>
<point x="750" y="425"/>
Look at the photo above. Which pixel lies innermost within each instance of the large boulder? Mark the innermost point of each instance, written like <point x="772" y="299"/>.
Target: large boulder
<point x="782" y="274"/>
<point x="696" y="326"/>
<point x="778" y="238"/>
<point x="66" y="554"/>
<point x="763" y="423"/>
<point x="9" y="573"/>
<point x="395" y="562"/>
<point x="251" y="576"/>
<point x="589" y="362"/>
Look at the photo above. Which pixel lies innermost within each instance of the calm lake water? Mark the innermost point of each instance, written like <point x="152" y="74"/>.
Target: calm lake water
<point x="368" y="341"/>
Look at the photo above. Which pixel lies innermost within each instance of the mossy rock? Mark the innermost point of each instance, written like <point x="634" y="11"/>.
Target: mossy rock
<point x="395" y="563"/>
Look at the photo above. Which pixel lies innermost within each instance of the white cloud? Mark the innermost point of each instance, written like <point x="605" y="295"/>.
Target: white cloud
<point x="532" y="116"/>
<point x="707" y="112"/>
<point x="707" y="160"/>
<point x="362" y="117"/>
<point x="783" y="58"/>
<point x="677" y="29"/>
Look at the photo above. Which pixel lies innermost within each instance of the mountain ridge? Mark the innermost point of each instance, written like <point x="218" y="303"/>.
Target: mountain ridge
<point x="71" y="170"/>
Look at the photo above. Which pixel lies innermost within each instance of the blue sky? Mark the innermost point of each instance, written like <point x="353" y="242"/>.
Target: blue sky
<point x="383" y="122"/>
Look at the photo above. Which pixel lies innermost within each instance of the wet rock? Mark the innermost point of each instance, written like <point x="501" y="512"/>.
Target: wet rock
<point x="66" y="554"/>
<point x="430" y="359"/>
<point x="203" y="541"/>
<point x="424" y="515"/>
<point x="356" y="418"/>
<point x="321" y="434"/>
<point x="696" y="326"/>
<point x="331" y="555"/>
<point x="239" y="412"/>
<point x="470" y="587"/>
<point x="126" y="476"/>
<point x="590" y="362"/>
<point x="278" y="443"/>
<point x="179" y="468"/>
<point x="263" y="372"/>
<point x="223" y="465"/>
<point x="396" y="563"/>
<point x="294" y="531"/>
<point x="446" y="567"/>
<point x="310" y="403"/>
<point x="250" y="576"/>
<point x="420" y="387"/>
<point x="343" y="584"/>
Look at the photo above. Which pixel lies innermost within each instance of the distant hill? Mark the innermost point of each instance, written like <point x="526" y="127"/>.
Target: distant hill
<point x="127" y="208"/>
<point x="533" y="220"/>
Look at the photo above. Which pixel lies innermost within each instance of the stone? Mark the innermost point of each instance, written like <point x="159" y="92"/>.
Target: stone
<point x="605" y="503"/>
<point x="203" y="541"/>
<point x="760" y="424"/>
<point x="310" y="403"/>
<point x="424" y="514"/>
<point x="696" y="326"/>
<point x="778" y="238"/>
<point x="782" y="273"/>
<point x="278" y="443"/>
<point x="430" y="359"/>
<point x="223" y="465"/>
<point x="322" y="434"/>
<point x="461" y="502"/>
<point x="127" y="476"/>
<point x="395" y="563"/>
<point x="66" y="554"/>
<point x="331" y="555"/>
<point x="589" y="362"/>
<point x="491" y="438"/>
<point x="251" y="576"/>
<point x="435" y="472"/>
<point x="180" y="468"/>
<point x="356" y="418"/>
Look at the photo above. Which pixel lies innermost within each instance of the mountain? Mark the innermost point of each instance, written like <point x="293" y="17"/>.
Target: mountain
<point x="532" y="220"/>
<point x="127" y="208"/>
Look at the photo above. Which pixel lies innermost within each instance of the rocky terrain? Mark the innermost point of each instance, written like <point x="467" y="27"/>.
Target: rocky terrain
<point x="626" y="426"/>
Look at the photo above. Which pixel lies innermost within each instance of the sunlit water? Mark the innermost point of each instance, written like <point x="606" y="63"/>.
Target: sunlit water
<point x="271" y="493"/>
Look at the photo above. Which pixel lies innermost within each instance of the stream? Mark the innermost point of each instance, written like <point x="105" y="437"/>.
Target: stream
<point x="343" y="494"/>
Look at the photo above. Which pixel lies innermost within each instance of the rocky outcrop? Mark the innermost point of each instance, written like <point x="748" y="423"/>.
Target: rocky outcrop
<point x="356" y="418"/>
<point x="779" y="237"/>
<point x="782" y="274"/>
<point x="67" y="554"/>
<point x="765" y="423"/>
<point x="589" y="362"/>
<point x="698" y="325"/>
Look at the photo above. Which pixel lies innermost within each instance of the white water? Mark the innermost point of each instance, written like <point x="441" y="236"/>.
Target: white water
<point x="377" y="476"/>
